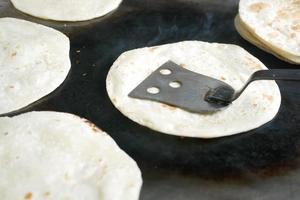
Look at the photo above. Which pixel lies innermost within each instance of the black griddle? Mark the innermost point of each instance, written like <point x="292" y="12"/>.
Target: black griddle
<point x="260" y="164"/>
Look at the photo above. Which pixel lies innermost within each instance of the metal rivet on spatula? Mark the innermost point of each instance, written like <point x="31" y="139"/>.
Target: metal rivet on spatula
<point x="153" y="90"/>
<point x="165" y="72"/>
<point x="175" y="84"/>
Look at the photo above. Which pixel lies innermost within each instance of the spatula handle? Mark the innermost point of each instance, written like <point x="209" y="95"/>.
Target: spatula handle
<point x="276" y="74"/>
<point x="272" y="74"/>
<point x="220" y="94"/>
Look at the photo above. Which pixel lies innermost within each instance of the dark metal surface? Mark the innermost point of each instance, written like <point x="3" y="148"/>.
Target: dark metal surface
<point x="261" y="164"/>
<point x="191" y="93"/>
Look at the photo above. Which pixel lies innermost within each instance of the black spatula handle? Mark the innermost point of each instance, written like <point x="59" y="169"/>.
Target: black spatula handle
<point x="224" y="96"/>
<point x="272" y="74"/>
<point x="276" y="74"/>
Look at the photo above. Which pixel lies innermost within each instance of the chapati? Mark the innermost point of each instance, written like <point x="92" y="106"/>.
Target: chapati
<point x="55" y="156"/>
<point x="66" y="10"/>
<point x="34" y="61"/>
<point x="273" y="25"/>
<point x="232" y="64"/>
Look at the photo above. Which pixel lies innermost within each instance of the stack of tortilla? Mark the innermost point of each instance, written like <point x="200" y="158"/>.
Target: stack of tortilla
<point x="258" y="104"/>
<point x="66" y="10"/>
<point x="272" y="25"/>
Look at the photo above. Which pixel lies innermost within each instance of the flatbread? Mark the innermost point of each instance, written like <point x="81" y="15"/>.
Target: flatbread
<point x="250" y="38"/>
<point x="230" y="63"/>
<point x="34" y="61"/>
<point x="274" y="24"/>
<point x="66" y="10"/>
<point x="50" y="155"/>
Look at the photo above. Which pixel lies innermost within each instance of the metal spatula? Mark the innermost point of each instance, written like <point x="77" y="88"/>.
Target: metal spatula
<point x="176" y="86"/>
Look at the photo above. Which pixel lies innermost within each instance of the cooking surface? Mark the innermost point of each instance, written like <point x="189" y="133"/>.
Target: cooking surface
<point x="261" y="164"/>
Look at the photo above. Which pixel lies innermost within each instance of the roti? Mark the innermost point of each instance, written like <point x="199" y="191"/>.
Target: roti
<point x="66" y="10"/>
<point x="273" y="25"/>
<point x="34" y="61"/>
<point x="258" y="104"/>
<point x="50" y="155"/>
<point x="242" y="29"/>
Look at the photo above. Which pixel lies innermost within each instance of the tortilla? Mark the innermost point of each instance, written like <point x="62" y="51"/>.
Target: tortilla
<point x="258" y="104"/>
<point x="34" y="61"/>
<point x="273" y="25"/>
<point x="50" y="155"/>
<point x="66" y="10"/>
<point x="250" y="38"/>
